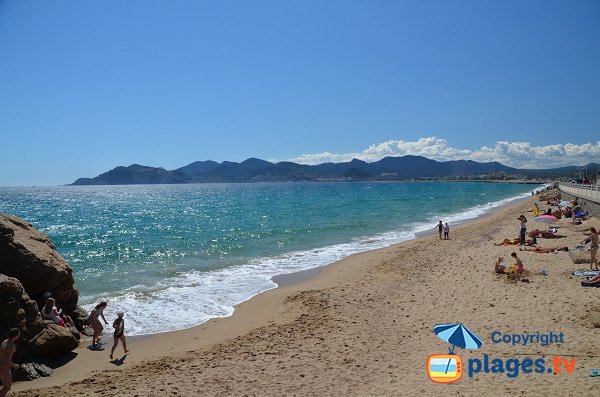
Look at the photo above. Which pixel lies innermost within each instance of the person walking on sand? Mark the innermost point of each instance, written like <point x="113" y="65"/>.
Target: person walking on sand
<point x="119" y="334"/>
<point x="440" y="227"/>
<point x="593" y="248"/>
<point x="7" y="349"/>
<point x="94" y="320"/>
<point x="523" y="229"/>
<point x="446" y="230"/>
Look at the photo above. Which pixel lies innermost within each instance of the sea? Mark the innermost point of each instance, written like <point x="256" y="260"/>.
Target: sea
<point x="174" y="256"/>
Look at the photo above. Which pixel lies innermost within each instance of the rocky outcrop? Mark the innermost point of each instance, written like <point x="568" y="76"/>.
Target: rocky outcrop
<point x="28" y="255"/>
<point x="30" y="266"/>
<point x="38" y="337"/>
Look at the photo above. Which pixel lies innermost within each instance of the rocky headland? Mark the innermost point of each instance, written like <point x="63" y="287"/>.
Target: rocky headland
<point x="30" y="270"/>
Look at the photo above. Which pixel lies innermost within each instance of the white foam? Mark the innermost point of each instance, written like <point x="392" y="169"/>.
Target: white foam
<point x="194" y="297"/>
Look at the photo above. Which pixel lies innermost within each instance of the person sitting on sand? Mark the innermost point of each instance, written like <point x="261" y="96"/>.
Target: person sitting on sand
<point x="94" y="321"/>
<point x="7" y="349"/>
<point x="119" y="334"/>
<point x="500" y="267"/>
<point x="517" y="268"/>
<point x="50" y="312"/>
<point x="544" y="250"/>
<point x="591" y="282"/>
<point x="593" y="247"/>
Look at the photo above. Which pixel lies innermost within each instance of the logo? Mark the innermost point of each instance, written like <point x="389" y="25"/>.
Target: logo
<point x="448" y="368"/>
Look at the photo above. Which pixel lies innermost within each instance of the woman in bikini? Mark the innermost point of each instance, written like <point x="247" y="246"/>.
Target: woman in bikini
<point x="7" y="349"/>
<point x="94" y="320"/>
<point x="119" y="334"/>
<point x="593" y="248"/>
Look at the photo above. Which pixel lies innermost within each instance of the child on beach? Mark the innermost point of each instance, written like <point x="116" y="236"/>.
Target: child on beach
<point x="446" y="230"/>
<point x="500" y="266"/>
<point x="119" y="334"/>
<point x="517" y="268"/>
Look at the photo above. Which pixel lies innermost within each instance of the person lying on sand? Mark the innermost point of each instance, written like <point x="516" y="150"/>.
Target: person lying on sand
<point x="544" y="250"/>
<point x="591" y="282"/>
<point x="515" y="241"/>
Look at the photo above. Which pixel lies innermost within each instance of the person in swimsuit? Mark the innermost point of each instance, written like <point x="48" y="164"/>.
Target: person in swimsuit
<point x="523" y="229"/>
<point x="50" y="312"/>
<point x="95" y="322"/>
<point x="7" y="349"/>
<point x="119" y="334"/>
<point x="440" y="227"/>
<point x="593" y="247"/>
<point x="544" y="250"/>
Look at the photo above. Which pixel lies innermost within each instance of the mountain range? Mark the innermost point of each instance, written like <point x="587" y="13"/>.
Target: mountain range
<point x="257" y="170"/>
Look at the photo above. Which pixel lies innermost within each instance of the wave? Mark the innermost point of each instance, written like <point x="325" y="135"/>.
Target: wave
<point x="194" y="297"/>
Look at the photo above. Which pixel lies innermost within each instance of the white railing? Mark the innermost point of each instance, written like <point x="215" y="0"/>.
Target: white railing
<point x="588" y="192"/>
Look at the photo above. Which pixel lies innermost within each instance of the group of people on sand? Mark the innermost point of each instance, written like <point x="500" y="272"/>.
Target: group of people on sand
<point x="517" y="268"/>
<point x="515" y="271"/>
<point x="51" y="312"/>
<point x="443" y="228"/>
<point x="119" y="328"/>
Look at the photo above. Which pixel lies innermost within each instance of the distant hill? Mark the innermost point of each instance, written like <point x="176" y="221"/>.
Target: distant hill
<point x="135" y="174"/>
<point x="257" y="170"/>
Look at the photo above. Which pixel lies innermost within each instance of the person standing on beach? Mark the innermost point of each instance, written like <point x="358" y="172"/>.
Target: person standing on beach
<point x="119" y="334"/>
<point x="523" y="229"/>
<point x="446" y="230"/>
<point x="7" y="349"/>
<point x="94" y="320"/>
<point x="593" y="248"/>
<point x="440" y="227"/>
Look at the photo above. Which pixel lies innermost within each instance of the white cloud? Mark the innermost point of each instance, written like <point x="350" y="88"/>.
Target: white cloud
<point x="513" y="154"/>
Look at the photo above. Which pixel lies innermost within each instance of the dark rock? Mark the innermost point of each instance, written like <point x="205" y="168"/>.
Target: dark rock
<point x="42" y="369"/>
<point x="31" y="371"/>
<point x="25" y="372"/>
<point x="54" y="340"/>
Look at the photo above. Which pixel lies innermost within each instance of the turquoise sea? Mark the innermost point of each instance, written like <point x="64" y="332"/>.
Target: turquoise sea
<point x="173" y="256"/>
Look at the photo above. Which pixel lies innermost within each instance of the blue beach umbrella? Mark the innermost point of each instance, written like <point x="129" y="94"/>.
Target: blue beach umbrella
<point x="457" y="335"/>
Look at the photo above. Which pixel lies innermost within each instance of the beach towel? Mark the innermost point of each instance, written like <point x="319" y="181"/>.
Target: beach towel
<point x="585" y="273"/>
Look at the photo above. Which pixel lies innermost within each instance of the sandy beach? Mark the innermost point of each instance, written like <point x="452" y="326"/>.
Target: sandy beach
<point x="363" y="326"/>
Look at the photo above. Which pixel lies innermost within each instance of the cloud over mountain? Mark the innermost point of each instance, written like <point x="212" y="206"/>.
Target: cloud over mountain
<point x="513" y="154"/>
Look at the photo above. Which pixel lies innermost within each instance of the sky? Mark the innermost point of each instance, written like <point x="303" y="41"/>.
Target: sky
<point x="86" y="86"/>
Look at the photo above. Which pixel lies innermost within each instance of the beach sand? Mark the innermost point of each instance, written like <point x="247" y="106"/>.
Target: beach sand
<point x="364" y="327"/>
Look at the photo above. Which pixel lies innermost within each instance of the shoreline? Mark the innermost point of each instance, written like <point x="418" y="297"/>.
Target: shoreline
<point x="243" y="319"/>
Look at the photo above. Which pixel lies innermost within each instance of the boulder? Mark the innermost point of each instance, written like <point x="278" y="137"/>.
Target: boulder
<point x="53" y="340"/>
<point x="30" y="266"/>
<point x="28" y="255"/>
<point x="31" y="371"/>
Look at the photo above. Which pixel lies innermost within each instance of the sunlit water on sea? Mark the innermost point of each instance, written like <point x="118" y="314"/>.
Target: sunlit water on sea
<point x="173" y="256"/>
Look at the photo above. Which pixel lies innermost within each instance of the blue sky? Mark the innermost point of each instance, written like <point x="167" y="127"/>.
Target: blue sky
<point x="87" y="86"/>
